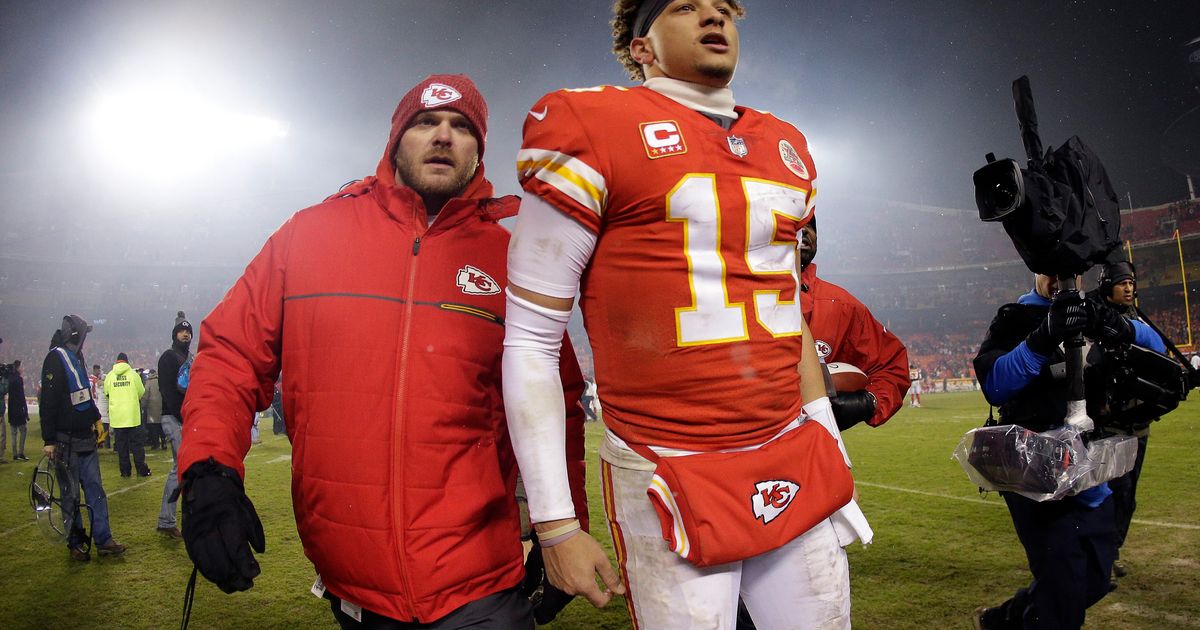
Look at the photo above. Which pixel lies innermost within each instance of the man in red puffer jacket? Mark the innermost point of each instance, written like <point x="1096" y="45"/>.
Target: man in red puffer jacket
<point x="403" y="477"/>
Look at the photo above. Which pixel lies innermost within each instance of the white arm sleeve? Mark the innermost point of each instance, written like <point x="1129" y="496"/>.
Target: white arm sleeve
<point x="548" y="250"/>
<point x="547" y="255"/>
<point x="821" y="410"/>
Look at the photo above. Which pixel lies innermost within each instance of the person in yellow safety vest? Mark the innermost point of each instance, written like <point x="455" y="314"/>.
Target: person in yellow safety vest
<point x="124" y="390"/>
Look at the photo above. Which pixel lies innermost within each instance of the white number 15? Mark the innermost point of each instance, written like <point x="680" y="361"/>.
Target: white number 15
<point x="711" y="317"/>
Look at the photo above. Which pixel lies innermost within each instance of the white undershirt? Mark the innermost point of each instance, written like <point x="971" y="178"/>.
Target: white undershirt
<point x="702" y="98"/>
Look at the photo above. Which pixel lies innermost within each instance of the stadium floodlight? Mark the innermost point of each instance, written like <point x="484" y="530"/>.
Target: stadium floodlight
<point x="154" y="132"/>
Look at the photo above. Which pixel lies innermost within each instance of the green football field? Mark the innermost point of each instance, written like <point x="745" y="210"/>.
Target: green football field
<point x="940" y="548"/>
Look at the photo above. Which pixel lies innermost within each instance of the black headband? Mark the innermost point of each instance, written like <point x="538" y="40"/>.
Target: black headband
<point x="646" y="14"/>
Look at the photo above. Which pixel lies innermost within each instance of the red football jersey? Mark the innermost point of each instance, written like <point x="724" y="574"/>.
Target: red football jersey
<point x="690" y="299"/>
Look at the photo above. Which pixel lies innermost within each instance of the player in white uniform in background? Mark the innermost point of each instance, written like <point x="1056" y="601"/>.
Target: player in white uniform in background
<point x="914" y="392"/>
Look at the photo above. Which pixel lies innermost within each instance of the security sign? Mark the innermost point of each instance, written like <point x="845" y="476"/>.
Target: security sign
<point x="662" y="139"/>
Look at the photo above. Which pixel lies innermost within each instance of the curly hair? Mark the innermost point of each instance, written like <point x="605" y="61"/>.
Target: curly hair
<point x="624" y="14"/>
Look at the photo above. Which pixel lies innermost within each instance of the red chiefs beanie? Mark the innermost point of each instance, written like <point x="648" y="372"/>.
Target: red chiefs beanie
<point x="445" y="91"/>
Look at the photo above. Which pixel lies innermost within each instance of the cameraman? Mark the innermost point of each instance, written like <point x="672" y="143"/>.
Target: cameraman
<point x="1070" y="543"/>
<point x="1118" y="288"/>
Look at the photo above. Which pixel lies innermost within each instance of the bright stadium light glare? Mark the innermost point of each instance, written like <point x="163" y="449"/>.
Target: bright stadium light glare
<point x="169" y="133"/>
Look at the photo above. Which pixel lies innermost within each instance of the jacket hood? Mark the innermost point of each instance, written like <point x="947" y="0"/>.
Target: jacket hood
<point x="121" y="367"/>
<point x="71" y="334"/>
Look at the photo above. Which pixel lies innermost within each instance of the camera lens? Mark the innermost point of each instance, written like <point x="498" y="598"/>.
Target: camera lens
<point x="1002" y="197"/>
<point x="998" y="189"/>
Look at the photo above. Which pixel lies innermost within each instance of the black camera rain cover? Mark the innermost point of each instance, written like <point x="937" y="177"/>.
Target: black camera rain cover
<point x="1073" y="220"/>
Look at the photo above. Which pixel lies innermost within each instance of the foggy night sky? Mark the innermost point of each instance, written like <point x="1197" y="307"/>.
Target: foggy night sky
<point x="900" y="100"/>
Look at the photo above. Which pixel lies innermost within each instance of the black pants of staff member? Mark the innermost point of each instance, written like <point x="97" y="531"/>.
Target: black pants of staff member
<point x="1124" y="496"/>
<point x="155" y="436"/>
<point x="1070" y="548"/>
<point x="131" y="440"/>
<point x="506" y="610"/>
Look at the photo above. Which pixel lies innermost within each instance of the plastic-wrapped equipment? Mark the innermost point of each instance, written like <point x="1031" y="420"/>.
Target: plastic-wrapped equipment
<point x="1044" y="466"/>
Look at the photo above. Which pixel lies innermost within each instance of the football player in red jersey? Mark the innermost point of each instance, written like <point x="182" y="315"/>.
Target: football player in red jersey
<point x="674" y="214"/>
<point x="846" y="332"/>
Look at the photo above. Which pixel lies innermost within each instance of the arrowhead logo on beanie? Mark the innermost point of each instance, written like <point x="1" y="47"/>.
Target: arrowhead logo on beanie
<point x="438" y="94"/>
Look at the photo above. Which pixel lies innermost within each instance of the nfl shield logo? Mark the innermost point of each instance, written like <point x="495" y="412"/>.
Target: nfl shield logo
<point x="737" y="146"/>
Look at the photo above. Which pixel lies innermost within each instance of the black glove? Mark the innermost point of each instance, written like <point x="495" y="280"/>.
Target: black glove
<point x="1069" y="314"/>
<point x="1108" y="324"/>
<point x="547" y="600"/>
<point x="850" y="408"/>
<point x="220" y="526"/>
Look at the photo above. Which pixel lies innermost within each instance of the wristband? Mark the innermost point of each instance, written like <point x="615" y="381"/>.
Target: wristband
<point x="573" y="524"/>
<point x="561" y="538"/>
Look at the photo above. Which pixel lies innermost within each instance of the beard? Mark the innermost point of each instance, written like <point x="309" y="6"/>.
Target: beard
<point x="409" y="171"/>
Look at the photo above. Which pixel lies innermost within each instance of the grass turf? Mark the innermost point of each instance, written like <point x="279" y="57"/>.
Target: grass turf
<point x="940" y="549"/>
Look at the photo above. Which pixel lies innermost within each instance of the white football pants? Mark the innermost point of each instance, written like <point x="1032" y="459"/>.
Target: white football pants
<point x="802" y="585"/>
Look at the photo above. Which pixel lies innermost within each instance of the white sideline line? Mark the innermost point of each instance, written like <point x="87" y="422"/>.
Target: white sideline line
<point x="975" y="500"/>
<point x="122" y="490"/>
<point x="1163" y="524"/>
<point x="1175" y="619"/>
<point x="8" y="532"/>
<point x="139" y="484"/>
<point x="998" y="504"/>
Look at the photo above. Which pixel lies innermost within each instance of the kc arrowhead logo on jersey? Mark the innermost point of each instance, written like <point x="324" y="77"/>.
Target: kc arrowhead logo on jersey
<point x="474" y="281"/>
<point x="772" y="497"/>
<point x="823" y="348"/>
<point x="438" y="94"/>
<point x="662" y="139"/>
<point x="791" y="159"/>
